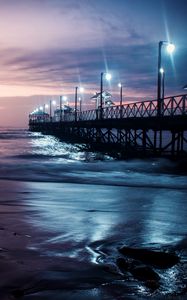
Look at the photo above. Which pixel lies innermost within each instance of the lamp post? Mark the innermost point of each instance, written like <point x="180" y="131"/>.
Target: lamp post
<point x="108" y="77"/>
<point x="163" y="82"/>
<point x="50" y="108"/>
<point x="46" y="106"/>
<point x="80" y="104"/>
<point x="60" y="108"/>
<point x="170" y="49"/>
<point x="76" y="94"/>
<point x="121" y="97"/>
<point x="76" y="89"/>
<point x="62" y="98"/>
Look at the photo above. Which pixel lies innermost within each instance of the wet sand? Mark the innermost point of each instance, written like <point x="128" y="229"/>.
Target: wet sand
<point x="26" y="272"/>
<point x="46" y="260"/>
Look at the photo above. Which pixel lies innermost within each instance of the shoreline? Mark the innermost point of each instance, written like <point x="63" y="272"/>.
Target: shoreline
<point x="38" y="262"/>
<point x="26" y="272"/>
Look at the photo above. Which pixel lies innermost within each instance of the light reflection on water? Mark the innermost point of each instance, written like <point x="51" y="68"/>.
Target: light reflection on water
<point x="91" y="204"/>
<point x="91" y="213"/>
<point x="51" y="147"/>
<point x="89" y="222"/>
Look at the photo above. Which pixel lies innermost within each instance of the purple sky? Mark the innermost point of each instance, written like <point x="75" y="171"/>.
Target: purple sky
<point x="47" y="47"/>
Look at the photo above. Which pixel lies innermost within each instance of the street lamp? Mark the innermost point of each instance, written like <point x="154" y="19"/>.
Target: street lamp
<point x="170" y="49"/>
<point x="121" y="97"/>
<point x="62" y="98"/>
<point x="121" y="93"/>
<point x="60" y="108"/>
<point x="45" y="107"/>
<point x="51" y="102"/>
<point x="162" y="80"/>
<point x="80" y="104"/>
<point x="81" y="89"/>
<point x="107" y="77"/>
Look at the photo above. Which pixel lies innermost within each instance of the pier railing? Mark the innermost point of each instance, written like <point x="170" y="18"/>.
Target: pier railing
<point x="170" y="106"/>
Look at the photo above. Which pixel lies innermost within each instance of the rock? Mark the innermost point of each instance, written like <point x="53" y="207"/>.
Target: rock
<point x="123" y="264"/>
<point x="152" y="284"/>
<point x="158" y="259"/>
<point x="140" y="272"/>
<point x="144" y="273"/>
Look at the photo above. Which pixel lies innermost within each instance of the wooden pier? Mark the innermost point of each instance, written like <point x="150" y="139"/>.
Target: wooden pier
<point x="133" y="128"/>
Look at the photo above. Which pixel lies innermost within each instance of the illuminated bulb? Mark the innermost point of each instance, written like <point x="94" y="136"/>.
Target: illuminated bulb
<point x="170" y="48"/>
<point x="81" y="89"/>
<point x="119" y="85"/>
<point x="108" y="76"/>
<point x="161" y="70"/>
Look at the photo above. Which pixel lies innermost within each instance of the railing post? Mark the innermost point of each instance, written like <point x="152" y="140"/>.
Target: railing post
<point x="172" y="102"/>
<point x="184" y="100"/>
<point x="121" y="111"/>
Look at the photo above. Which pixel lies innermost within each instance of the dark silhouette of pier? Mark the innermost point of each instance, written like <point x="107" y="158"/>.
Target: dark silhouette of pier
<point x="132" y="129"/>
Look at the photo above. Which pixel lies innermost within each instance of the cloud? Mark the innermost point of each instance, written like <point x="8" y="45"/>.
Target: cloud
<point x="54" y="66"/>
<point x="49" y="43"/>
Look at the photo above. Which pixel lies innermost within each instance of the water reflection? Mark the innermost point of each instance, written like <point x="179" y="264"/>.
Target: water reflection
<point x="88" y="223"/>
<point x="85" y="205"/>
<point x="88" y="213"/>
<point x="51" y="147"/>
<point x="166" y="223"/>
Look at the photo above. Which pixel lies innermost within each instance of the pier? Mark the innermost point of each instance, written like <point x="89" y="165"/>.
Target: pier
<point x="138" y="128"/>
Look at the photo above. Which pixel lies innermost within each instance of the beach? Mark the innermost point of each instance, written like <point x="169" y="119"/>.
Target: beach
<point x="66" y="214"/>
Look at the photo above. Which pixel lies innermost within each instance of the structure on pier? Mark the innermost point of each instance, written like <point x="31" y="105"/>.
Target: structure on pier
<point x="106" y="99"/>
<point x="39" y="116"/>
<point x="133" y="128"/>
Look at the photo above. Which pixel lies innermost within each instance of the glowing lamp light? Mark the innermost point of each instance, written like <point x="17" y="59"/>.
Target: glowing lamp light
<point x="54" y="102"/>
<point x="161" y="70"/>
<point x="36" y="110"/>
<point x="46" y="106"/>
<point x="108" y="76"/>
<point x="119" y="85"/>
<point x="170" y="48"/>
<point x="41" y="108"/>
<point x="64" y="98"/>
<point x="81" y="89"/>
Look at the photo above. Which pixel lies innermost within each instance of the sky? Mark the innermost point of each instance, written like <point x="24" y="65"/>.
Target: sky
<point x="48" y="47"/>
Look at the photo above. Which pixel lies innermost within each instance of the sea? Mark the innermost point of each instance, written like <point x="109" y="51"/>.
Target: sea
<point x="92" y="204"/>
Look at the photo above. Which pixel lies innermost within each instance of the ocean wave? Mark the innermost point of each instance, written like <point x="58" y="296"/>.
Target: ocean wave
<point x="99" y="173"/>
